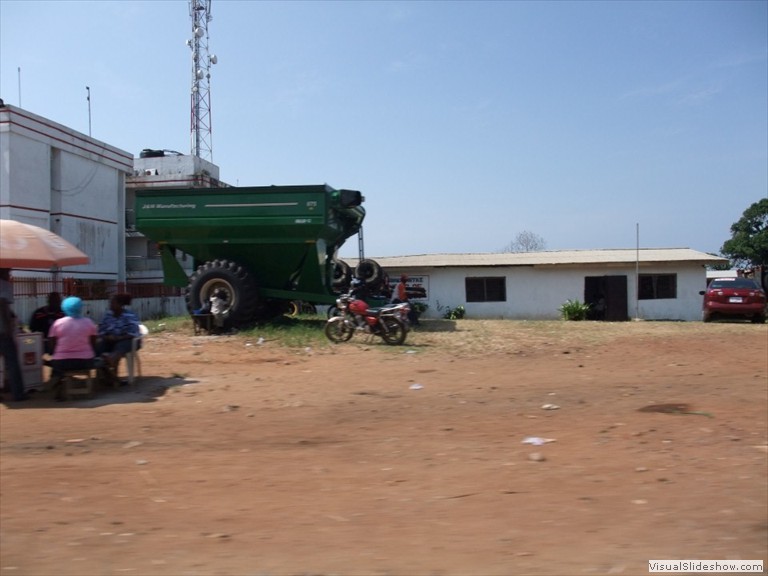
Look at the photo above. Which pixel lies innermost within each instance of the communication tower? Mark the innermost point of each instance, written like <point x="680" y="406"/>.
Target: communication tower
<point x="202" y="60"/>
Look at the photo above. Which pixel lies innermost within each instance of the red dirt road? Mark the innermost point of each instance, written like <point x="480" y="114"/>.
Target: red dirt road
<point x="234" y="458"/>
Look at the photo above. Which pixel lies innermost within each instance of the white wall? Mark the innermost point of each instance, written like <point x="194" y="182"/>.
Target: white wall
<point x="61" y="180"/>
<point x="687" y="306"/>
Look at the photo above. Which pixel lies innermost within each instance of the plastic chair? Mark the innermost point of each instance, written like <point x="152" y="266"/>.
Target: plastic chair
<point x="132" y="360"/>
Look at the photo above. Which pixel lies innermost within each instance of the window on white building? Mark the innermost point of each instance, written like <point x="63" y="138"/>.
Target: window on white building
<point x="486" y="289"/>
<point x="657" y="286"/>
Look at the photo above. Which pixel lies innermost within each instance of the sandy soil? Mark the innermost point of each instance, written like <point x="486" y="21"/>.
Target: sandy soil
<point x="237" y="458"/>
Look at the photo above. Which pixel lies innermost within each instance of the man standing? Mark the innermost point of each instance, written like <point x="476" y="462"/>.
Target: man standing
<point x="8" y="349"/>
<point x="400" y="294"/>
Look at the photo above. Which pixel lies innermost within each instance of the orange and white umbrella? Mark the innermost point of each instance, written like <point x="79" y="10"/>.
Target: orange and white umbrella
<point x="27" y="246"/>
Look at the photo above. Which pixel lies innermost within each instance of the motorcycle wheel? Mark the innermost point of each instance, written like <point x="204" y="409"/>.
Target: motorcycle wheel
<point x="337" y="330"/>
<point x="395" y="332"/>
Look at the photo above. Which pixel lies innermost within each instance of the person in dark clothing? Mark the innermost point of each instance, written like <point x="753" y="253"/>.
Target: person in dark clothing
<point x="8" y="348"/>
<point x="117" y="330"/>
<point x="44" y="317"/>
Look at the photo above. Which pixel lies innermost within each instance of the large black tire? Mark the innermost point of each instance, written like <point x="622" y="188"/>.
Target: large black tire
<point x="296" y="307"/>
<point x="396" y="331"/>
<point x="236" y="281"/>
<point x="337" y="330"/>
<point x="369" y="272"/>
<point x="293" y="308"/>
<point x="342" y="275"/>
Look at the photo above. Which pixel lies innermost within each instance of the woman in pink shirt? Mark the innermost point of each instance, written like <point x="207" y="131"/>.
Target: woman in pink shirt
<point x="73" y="339"/>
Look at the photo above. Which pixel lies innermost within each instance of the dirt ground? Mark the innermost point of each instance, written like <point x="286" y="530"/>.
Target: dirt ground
<point x="234" y="457"/>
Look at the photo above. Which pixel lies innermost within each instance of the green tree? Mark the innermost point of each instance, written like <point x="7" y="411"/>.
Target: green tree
<point x="748" y="245"/>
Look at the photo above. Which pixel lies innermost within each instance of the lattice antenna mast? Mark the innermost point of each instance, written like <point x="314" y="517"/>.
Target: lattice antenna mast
<point x="200" y="133"/>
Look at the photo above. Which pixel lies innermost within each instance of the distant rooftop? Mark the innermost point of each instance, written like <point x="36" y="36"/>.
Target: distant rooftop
<point x="548" y="258"/>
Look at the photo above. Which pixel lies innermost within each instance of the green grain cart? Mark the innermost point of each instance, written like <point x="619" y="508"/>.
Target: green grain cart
<point x="263" y="246"/>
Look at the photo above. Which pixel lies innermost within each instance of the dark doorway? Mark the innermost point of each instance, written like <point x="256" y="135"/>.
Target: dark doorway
<point x="607" y="296"/>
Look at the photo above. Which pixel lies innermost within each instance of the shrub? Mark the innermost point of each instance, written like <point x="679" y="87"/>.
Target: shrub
<point x="454" y="313"/>
<point x="419" y="307"/>
<point x="574" y="310"/>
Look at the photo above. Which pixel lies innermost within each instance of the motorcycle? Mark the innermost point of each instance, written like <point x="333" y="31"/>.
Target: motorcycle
<point x="354" y="315"/>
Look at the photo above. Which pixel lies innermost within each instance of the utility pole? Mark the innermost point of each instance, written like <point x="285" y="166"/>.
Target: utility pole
<point x="88" y="88"/>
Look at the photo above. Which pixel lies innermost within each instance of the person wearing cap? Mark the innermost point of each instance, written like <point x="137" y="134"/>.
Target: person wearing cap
<point x="73" y="339"/>
<point x="400" y="294"/>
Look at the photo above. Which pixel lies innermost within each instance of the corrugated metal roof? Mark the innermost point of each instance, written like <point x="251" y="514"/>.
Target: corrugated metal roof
<point x="548" y="258"/>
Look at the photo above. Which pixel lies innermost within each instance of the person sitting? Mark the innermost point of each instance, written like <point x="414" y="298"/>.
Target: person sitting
<point x="43" y="318"/>
<point x="73" y="340"/>
<point x="219" y="309"/>
<point x="117" y="330"/>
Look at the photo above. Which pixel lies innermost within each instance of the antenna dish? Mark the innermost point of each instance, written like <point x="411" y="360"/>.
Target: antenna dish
<point x="214" y="60"/>
<point x="199" y="32"/>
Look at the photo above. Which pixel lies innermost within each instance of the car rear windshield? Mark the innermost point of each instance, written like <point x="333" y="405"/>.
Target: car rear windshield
<point x="734" y="283"/>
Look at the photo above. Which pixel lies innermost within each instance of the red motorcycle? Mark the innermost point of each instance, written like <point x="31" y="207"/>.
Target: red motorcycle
<point x="354" y="315"/>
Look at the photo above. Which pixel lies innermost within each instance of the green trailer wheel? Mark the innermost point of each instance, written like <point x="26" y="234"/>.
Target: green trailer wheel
<point x="236" y="282"/>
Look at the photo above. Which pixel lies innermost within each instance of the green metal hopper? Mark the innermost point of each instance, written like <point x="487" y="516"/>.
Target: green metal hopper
<point x="262" y="245"/>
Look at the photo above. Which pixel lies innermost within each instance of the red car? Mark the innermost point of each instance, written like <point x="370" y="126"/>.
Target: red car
<point x="734" y="297"/>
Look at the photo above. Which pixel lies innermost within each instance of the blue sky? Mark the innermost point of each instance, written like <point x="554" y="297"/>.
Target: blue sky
<point x="463" y="123"/>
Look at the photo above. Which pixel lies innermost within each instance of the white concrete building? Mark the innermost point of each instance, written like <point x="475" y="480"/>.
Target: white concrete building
<point x="533" y="285"/>
<point x="74" y="185"/>
<point x="83" y="189"/>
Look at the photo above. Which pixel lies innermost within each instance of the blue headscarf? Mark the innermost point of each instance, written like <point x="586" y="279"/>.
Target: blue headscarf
<point x="72" y="306"/>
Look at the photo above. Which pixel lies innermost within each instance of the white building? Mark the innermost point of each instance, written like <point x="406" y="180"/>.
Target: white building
<point x="82" y="189"/>
<point x="74" y="185"/>
<point x="533" y="285"/>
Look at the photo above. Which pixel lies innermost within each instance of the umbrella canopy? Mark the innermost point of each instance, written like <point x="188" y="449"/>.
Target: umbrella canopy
<point x="27" y="246"/>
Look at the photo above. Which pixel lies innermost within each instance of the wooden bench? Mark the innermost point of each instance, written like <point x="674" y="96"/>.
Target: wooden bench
<point x="79" y="383"/>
